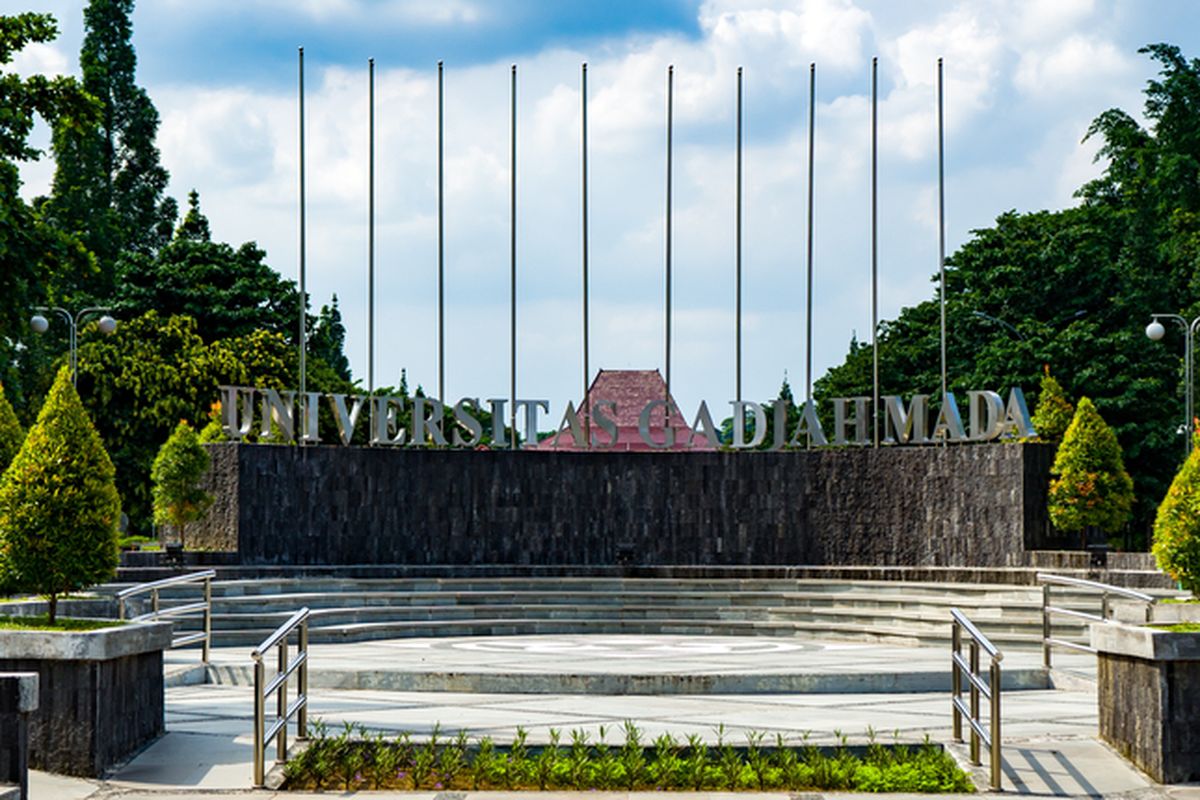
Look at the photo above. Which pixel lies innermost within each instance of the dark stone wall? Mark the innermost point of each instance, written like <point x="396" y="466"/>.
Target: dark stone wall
<point x="92" y="715"/>
<point x="1150" y="713"/>
<point x="980" y="505"/>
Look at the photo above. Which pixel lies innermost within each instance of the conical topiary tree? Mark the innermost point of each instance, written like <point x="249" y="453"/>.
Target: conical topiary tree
<point x="58" y="504"/>
<point x="176" y="473"/>
<point x="1054" y="411"/>
<point x="11" y="434"/>
<point x="1177" y="525"/>
<point x="1089" y="486"/>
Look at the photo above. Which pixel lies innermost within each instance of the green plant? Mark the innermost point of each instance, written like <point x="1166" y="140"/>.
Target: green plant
<point x="176" y="473"/>
<point x="633" y="755"/>
<point x="1054" y="410"/>
<point x="1089" y="487"/>
<point x="1177" y="526"/>
<point x="58" y="504"/>
<point x="11" y="434"/>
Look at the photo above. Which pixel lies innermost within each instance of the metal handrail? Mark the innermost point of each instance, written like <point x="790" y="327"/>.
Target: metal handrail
<point x="278" y="686"/>
<point x="1106" y="590"/>
<point x="204" y="636"/>
<point x="989" y="688"/>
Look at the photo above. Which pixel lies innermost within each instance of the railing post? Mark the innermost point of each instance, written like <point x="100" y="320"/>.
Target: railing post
<point x="974" y="701"/>
<point x="955" y="678"/>
<point x="207" y="620"/>
<point x="282" y="704"/>
<point x="302" y="714"/>
<point x="1046" y="625"/>
<point x="1104" y="605"/>
<point x="120" y="608"/>
<point x="259" y="723"/>
<point x="154" y="600"/>
<point x="994" y="750"/>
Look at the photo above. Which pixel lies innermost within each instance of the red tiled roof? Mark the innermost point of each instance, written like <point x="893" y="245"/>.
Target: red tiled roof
<point x="630" y="390"/>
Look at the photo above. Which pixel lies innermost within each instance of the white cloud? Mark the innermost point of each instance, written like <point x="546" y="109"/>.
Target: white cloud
<point x="1077" y="63"/>
<point x="40" y="58"/>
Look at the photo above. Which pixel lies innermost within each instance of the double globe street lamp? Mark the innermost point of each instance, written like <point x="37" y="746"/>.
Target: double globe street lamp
<point x="39" y="324"/>
<point x="1156" y="331"/>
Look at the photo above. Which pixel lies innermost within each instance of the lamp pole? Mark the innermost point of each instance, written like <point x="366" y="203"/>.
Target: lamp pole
<point x="1155" y="332"/>
<point x="40" y="324"/>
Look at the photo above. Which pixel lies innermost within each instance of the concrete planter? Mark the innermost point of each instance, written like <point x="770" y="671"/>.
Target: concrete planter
<point x="100" y="693"/>
<point x="1149" y="698"/>
<point x="1160" y="613"/>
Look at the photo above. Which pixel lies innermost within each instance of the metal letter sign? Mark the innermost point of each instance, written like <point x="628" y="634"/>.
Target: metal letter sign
<point x="283" y="414"/>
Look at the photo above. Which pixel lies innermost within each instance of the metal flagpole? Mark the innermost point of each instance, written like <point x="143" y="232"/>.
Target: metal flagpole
<point x="875" y="247"/>
<point x="812" y="96"/>
<point x="738" y="243"/>
<point x="441" y="276"/>
<point x="942" y="218"/>
<point x="670" y="122"/>
<point x="303" y="289"/>
<point x="371" y="232"/>
<point x="512" y="412"/>
<point x="586" y="414"/>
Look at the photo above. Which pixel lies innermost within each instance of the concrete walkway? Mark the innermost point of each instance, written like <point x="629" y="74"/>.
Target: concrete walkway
<point x="1049" y="744"/>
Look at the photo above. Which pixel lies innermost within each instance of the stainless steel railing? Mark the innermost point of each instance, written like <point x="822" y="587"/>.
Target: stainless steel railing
<point x="278" y="687"/>
<point x="1049" y="609"/>
<point x="989" y="688"/>
<point x="157" y="612"/>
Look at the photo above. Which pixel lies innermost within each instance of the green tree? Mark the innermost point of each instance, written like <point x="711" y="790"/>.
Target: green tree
<point x="328" y="340"/>
<point x="1089" y="486"/>
<point x="11" y="435"/>
<point x="1177" y="525"/>
<point x="109" y="185"/>
<point x="59" y="505"/>
<point x="33" y="253"/>
<point x="1054" y="410"/>
<point x="177" y="471"/>
<point x="228" y="292"/>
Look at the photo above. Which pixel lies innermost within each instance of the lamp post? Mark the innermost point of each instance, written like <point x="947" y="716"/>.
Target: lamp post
<point x="40" y="324"/>
<point x="1156" y="331"/>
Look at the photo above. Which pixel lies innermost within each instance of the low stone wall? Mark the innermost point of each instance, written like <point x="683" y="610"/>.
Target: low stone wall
<point x="979" y="505"/>
<point x="100" y="698"/>
<point x="1148" y="694"/>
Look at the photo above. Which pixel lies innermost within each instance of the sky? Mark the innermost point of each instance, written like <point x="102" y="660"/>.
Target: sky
<point x="1023" y="79"/>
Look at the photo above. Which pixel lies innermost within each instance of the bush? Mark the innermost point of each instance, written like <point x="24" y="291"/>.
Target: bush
<point x="1054" y="410"/>
<point x="176" y="473"/>
<point x="11" y="434"/>
<point x="59" y="505"/>
<point x="1089" y="485"/>
<point x="1177" y="525"/>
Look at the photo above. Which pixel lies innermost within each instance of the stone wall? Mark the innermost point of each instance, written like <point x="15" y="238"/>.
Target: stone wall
<point x="979" y="505"/>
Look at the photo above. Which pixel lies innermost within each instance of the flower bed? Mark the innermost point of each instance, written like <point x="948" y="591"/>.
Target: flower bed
<point x="353" y="760"/>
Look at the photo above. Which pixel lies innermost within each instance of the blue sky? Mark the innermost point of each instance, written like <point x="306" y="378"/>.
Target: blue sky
<point x="1024" y="79"/>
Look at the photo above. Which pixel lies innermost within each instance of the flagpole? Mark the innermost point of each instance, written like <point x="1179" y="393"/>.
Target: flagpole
<point x="670" y="144"/>
<point x="512" y="412"/>
<point x="441" y="276"/>
<point x="303" y="286"/>
<point x="371" y="230"/>
<point x="942" y="220"/>
<point x="738" y="245"/>
<point x="875" y="247"/>
<point x="586" y="414"/>
<point x="812" y="95"/>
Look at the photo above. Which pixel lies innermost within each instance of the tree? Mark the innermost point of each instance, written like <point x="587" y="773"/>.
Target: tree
<point x="1177" y="525"/>
<point x="11" y="435"/>
<point x="227" y="292"/>
<point x="109" y="185"/>
<point x="1054" y="410"/>
<point x="59" y="505"/>
<point x="177" y="471"/>
<point x="328" y="340"/>
<point x="1089" y="485"/>
<point x="33" y="253"/>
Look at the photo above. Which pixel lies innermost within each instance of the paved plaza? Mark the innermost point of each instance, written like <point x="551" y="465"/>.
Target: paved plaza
<point x="1049" y="733"/>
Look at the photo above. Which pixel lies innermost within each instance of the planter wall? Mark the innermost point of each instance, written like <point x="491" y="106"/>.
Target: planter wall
<point x="100" y="695"/>
<point x="1149" y="698"/>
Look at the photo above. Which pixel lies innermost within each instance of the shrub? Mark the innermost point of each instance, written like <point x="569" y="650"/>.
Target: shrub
<point x="1089" y="485"/>
<point x="59" y="505"/>
<point x="1177" y="525"/>
<point x="1054" y="410"/>
<point x="11" y="434"/>
<point x="176" y="473"/>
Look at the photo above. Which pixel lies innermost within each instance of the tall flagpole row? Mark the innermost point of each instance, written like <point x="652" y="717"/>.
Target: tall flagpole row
<point x="303" y="301"/>
<point x="875" y="248"/>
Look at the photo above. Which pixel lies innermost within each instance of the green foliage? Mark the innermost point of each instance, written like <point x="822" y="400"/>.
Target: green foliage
<point x="354" y="760"/>
<point x="1054" y="410"/>
<point x="109" y="185"/>
<point x="11" y="434"/>
<point x="176" y="474"/>
<point x="1089" y="487"/>
<point x="42" y="622"/>
<point x="1131" y="249"/>
<point x="59" y="506"/>
<point x="328" y="340"/>
<point x="1177" y="526"/>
